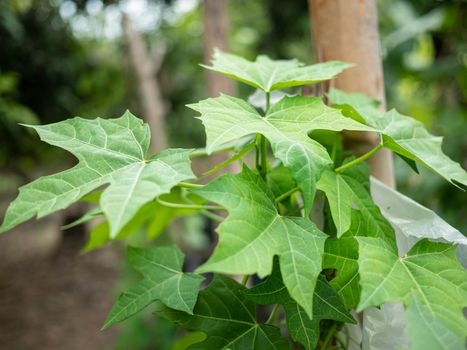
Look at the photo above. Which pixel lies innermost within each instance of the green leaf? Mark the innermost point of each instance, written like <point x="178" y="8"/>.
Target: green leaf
<point x="404" y="135"/>
<point x="346" y="195"/>
<point x="254" y="232"/>
<point x="286" y="126"/>
<point x="163" y="281"/>
<point x="268" y="75"/>
<point x="342" y="255"/>
<point x="152" y="217"/>
<point x="429" y="274"/>
<point x="187" y="340"/>
<point x="109" y="151"/>
<point x="427" y="333"/>
<point x="326" y="305"/>
<point x="228" y="318"/>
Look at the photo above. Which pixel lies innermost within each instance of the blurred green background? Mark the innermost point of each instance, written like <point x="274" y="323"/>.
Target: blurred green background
<point x="63" y="58"/>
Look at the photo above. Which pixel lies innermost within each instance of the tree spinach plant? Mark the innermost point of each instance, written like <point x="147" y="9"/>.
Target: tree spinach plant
<point x="301" y="217"/>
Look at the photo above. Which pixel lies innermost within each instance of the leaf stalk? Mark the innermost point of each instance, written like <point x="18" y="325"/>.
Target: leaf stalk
<point x="359" y="159"/>
<point x="188" y="206"/>
<point x="273" y="314"/>
<point x="286" y="194"/>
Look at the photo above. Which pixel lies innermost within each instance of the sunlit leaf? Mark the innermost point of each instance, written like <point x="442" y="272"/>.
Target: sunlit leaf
<point x="254" y="232"/>
<point x="110" y="151"/>
<point x="429" y="274"/>
<point x="403" y="135"/>
<point x="268" y="75"/>
<point x="286" y="126"/>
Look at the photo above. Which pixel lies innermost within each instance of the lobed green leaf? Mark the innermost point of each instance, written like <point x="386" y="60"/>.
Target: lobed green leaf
<point x="428" y="274"/>
<point x="326" y="305"/>
<point x="402" y="134"/>
<point x="286" y="126"/>
<point x="228" y="318"/>
<point x="268" y="75"/>
<point x="110" y="151"/>
<point x="163" y="281"/>
<point x="254" y="233"/>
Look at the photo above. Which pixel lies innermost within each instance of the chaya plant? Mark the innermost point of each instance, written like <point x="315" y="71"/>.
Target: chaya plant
<point x="302" y="218"/>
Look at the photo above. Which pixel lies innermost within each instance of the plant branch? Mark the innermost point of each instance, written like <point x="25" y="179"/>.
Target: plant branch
<point x="286" y="194"/>
<point x="211" y="216"/>
<point x="235" y="157"/>
<point x="188" y="206"/>
<point x="258" y="151"/>
<point x="359" y="159"/>
<point x="328" y="338"/>
<point x="341" y="342"/>
<point x="201" y="152"/>
<point x="264" y="156"/>
<point x="264" y="143"/>
<point x="189" y="185"/>
<point x="273" y="314"/>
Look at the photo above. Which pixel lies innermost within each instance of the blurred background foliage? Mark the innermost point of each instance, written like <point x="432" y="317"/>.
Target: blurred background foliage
<point x="62" y="58"/>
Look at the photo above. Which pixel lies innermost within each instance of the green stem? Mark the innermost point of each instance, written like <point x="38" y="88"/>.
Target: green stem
<point x="245" y="280"/>
<point x="273" y="314"/>
<point x="328" y="338"/>
<point x="211" y="216"/>
<point x="235" y="157"/>
<point x="264" y="157"/>
<point x="264" y="143"/>
<point x="189" y="185"/>
<point x="258" y="152"/>
<point x="200" y="152"/>
<point x="189" y="206"/>
<point x="286" y="194"/>
<point x="341" y="342"/>
<point x="359" y="159"/>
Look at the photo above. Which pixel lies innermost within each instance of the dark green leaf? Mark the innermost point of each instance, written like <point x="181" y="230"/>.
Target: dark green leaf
<point x="228" y="318"/>
<point x="326" y="305"/>
<point x="163" y="281"/>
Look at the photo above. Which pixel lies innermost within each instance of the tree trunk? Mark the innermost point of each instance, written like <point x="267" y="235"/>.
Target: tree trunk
<point x="145" y="70"/>
<point x="216" y="35"/>
<point x="347" y="30"/>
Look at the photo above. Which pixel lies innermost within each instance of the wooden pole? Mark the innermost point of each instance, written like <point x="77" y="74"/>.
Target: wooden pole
<point x="347" y="30"/>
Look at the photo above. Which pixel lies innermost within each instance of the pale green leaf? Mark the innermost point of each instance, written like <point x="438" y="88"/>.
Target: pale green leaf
<point x="163" y="281"/>
<point x="429" y="274"/>
<point x="345" y="195"/>
<point x="228" y="318"/>
<point x="326" y="305"/>
<point x="402" y="134"/>
<point x="110" y="151"/>
<point x="254" y="233"/>
<point x="427" y="333"/>
<point x="286" y="126"/>
<point x="412" y="220"/>
<point x="268" y="75"/>
<point x="384" y="328"/>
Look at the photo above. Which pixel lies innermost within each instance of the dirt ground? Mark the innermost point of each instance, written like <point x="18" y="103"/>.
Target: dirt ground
<point x="51" y="297"/>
